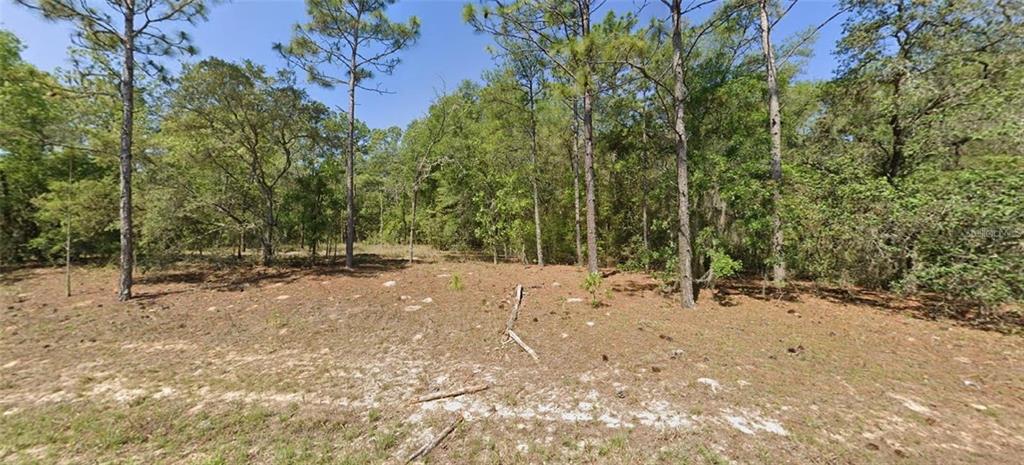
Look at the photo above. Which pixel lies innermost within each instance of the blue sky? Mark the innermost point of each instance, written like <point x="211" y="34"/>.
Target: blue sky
<point x="448" y="50"/>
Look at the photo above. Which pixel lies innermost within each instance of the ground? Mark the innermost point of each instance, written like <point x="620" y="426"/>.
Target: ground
<point x="220" y="364"/>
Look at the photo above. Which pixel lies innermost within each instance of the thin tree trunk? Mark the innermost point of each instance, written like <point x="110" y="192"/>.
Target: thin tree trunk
<point x="643" y="187"/>
<point x="588" y="148"/>
<point x="350" y="233"/>
<point x="575" y="161"/>
<point x="533" y="179"/>
<point x="380" y="233"/>
<point x="682" y="170"/>
<point x="67" y="239"/>
<point x="412" y="223"/>
<point x="895" y="165"/>
<point x="268" y="233"/>
<point x="775" y="118"/>
<point x="127" y="116"/>
<point x="589" y="180"/>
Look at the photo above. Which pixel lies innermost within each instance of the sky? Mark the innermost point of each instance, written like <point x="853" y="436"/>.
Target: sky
<point x="447" y="52"/>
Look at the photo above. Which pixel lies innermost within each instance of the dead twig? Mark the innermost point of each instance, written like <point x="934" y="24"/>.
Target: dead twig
<point x="423" y="451"/>
<point x="454" y="393"/>
<point x="515" y="337"/>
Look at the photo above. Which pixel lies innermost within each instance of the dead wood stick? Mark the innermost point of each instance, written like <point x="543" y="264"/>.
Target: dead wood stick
<point x="423" y="451"/>
<point x="453" y="393"/>
<point x="515" y="337"/>
<point x="513" y="315"/>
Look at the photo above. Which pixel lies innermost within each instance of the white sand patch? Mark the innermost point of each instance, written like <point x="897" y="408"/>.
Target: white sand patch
<point x="911" y="404"/>
<point x="590" y="323"/>
<point x="283" y="297"/>
<point x="573" y="300"/>
<point x="413" y="308"/>
<point x="444" y="275"/>
<point x="427" y="300"/>
<point x="751" y="422"/>
<point x="10" y="364"/>
<point x="164" y="392"/>
<point x="390" y="283"/>
<point x="115" y="389"/>
<point x="714" y="385"/>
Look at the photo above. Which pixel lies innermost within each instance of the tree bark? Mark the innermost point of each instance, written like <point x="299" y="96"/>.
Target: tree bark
<point x="125" y="155"/>
<point x="588" y="149"/>
<point x="533" y="178"/>
<point x="412" y="223"/>
<point x="682" y="170"/>
<point x="645" y="230"/>
<point x="268" y="233"/>
<point x="775" y="122"/>
<point x="67" y="238"/>
<point x="575" y="160"/>
<point x="350" y="229"/>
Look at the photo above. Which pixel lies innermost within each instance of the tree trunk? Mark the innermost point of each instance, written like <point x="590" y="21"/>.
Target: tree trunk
<point x="268" y="233"/>
<point x="589" y="180"/>
<point x="895" y="165"/>
<point x="350" y="230"/>
<point x="682" y="170"/>
<point x="380" y="233"/>
<point x="127" y="116"/>
<point x="412" y="223"/>
<point x="67" y="238"/>
<point x="645" y="230"/>
<point x="533" y="179"/>
<point x="775" y="118"/>
<point x="575" y="161"/>
<point x="588" y="148"/>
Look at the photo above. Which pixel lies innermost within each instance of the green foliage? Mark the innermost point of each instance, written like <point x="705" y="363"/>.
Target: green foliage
<point x="592" y="284"/>
<point x="902" y="173"/>
<point x="455" y="282"/>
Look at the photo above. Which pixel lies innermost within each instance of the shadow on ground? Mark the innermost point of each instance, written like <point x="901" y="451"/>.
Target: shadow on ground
<point x="1008" y="320"/>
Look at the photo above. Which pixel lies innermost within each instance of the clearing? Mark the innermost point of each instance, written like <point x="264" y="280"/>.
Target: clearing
<point x="320" y="365"/>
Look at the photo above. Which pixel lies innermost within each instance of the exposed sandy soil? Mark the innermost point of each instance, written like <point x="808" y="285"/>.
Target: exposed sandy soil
<point x="319" y="366"/>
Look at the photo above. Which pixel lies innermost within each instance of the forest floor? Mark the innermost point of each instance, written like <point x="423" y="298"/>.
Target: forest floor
<point x="219" y="364"/>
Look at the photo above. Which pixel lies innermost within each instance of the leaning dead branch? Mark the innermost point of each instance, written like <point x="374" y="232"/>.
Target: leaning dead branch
<point x="423" y="451"/>
<point x="513" y="315"/>
<point x="453" y="393"/>
<point x="515" y="337"/>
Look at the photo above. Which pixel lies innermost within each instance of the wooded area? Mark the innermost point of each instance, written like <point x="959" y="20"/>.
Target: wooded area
<point x="642" y="235"/>
<point x="678" y="147"/>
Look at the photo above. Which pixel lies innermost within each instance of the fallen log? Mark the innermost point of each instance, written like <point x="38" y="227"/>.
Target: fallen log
<point x="453" y="393"/>
<point x="423" y="451"/>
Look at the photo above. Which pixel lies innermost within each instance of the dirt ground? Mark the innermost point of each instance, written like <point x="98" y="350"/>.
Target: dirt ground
<point x="218" y="365"/>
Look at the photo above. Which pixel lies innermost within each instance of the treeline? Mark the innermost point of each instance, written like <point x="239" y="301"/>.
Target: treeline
<point x="685" y="149"/>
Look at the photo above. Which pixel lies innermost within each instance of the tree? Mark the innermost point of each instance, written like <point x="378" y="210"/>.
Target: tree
<point x="528" y="70"/>
<point x="245" y="131"/>
<point x="562" y="34"/>
<point x="422" y="139"/>
<point x="356" y="36"/>
<point x="775" y="128"/>
<point x="127" y="28"/>
<point x="919" y="62"/>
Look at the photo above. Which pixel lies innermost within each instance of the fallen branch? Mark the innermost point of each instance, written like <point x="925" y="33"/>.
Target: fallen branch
<point x="513" y="315"/>
<point x="423" y="451"/>
<point x="455" y="393"/>
<point x="515" y="337"/>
